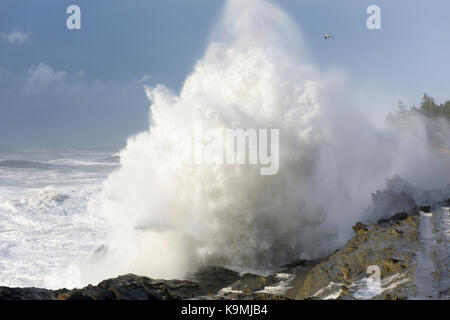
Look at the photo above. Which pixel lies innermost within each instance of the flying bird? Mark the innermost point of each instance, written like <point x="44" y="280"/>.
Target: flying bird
<point x="328" y="36"/>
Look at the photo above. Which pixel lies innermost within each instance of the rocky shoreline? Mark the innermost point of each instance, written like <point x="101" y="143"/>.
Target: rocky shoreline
<point x="395" y="245"/>
<point x="208" y="283"/>
<point x="388" y="245"/>
<point x="413" y="261"/>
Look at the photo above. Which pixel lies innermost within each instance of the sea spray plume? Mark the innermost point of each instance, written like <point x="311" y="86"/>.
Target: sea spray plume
<point x="167" y="218"/>
<point x="357" y="157"/>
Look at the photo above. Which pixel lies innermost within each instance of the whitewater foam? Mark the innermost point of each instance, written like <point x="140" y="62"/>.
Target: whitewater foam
<point x="45" y="227"/>
<point x="166" y="218"/>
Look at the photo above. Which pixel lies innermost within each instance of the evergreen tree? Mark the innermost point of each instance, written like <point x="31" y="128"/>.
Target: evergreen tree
<point x="428" y="106"/>
<point x="438" y="134"/>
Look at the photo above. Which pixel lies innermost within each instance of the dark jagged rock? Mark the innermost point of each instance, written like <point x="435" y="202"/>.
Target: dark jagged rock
<point x="426" y="209"/>
<point x="383" y="221"/>
<point x="214" y="278"/>
<point x="132" y="287"/>
<point x="28" y="294"/>
<point x="360" y="228"/>
<point x="250" y="283"/>
<point x="390" y="297"/>
<point x="203" y="284"/>
<point x="251" y="296"/>
<point x="77" y="295"/>
<point x="127" y="287"/>
<point x="397" y="217"/>
<point x="400" y="216"/>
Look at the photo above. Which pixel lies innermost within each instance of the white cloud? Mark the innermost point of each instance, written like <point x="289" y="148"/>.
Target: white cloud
<point x="15" y="37"/>
<point x="41" y="77"/>
<point x="45" y="104"/>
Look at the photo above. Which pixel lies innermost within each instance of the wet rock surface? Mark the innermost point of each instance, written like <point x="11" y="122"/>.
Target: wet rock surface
<point x="206" y="283"/>
<point x="250" y="283"/>
<point x="410" y="250"/>
<point x="127" y="287"/>
<point x="388" y="247"/>
<point x="212" y="279"/>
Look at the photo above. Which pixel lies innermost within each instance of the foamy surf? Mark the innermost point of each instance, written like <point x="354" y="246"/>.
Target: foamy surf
<point x="46" y="229"/>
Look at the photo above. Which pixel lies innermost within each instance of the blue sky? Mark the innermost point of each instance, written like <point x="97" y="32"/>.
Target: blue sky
<point x="59" y="86"/>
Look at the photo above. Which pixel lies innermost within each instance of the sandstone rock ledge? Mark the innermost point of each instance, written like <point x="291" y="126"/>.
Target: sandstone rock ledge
<point x="390" y="245"/>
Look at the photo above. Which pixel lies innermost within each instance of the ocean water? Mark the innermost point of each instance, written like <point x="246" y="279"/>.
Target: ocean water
<point x="45" y="226"/>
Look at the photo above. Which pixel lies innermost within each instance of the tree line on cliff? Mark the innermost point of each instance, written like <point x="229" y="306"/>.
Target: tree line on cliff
<point x="434" y="118"/>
